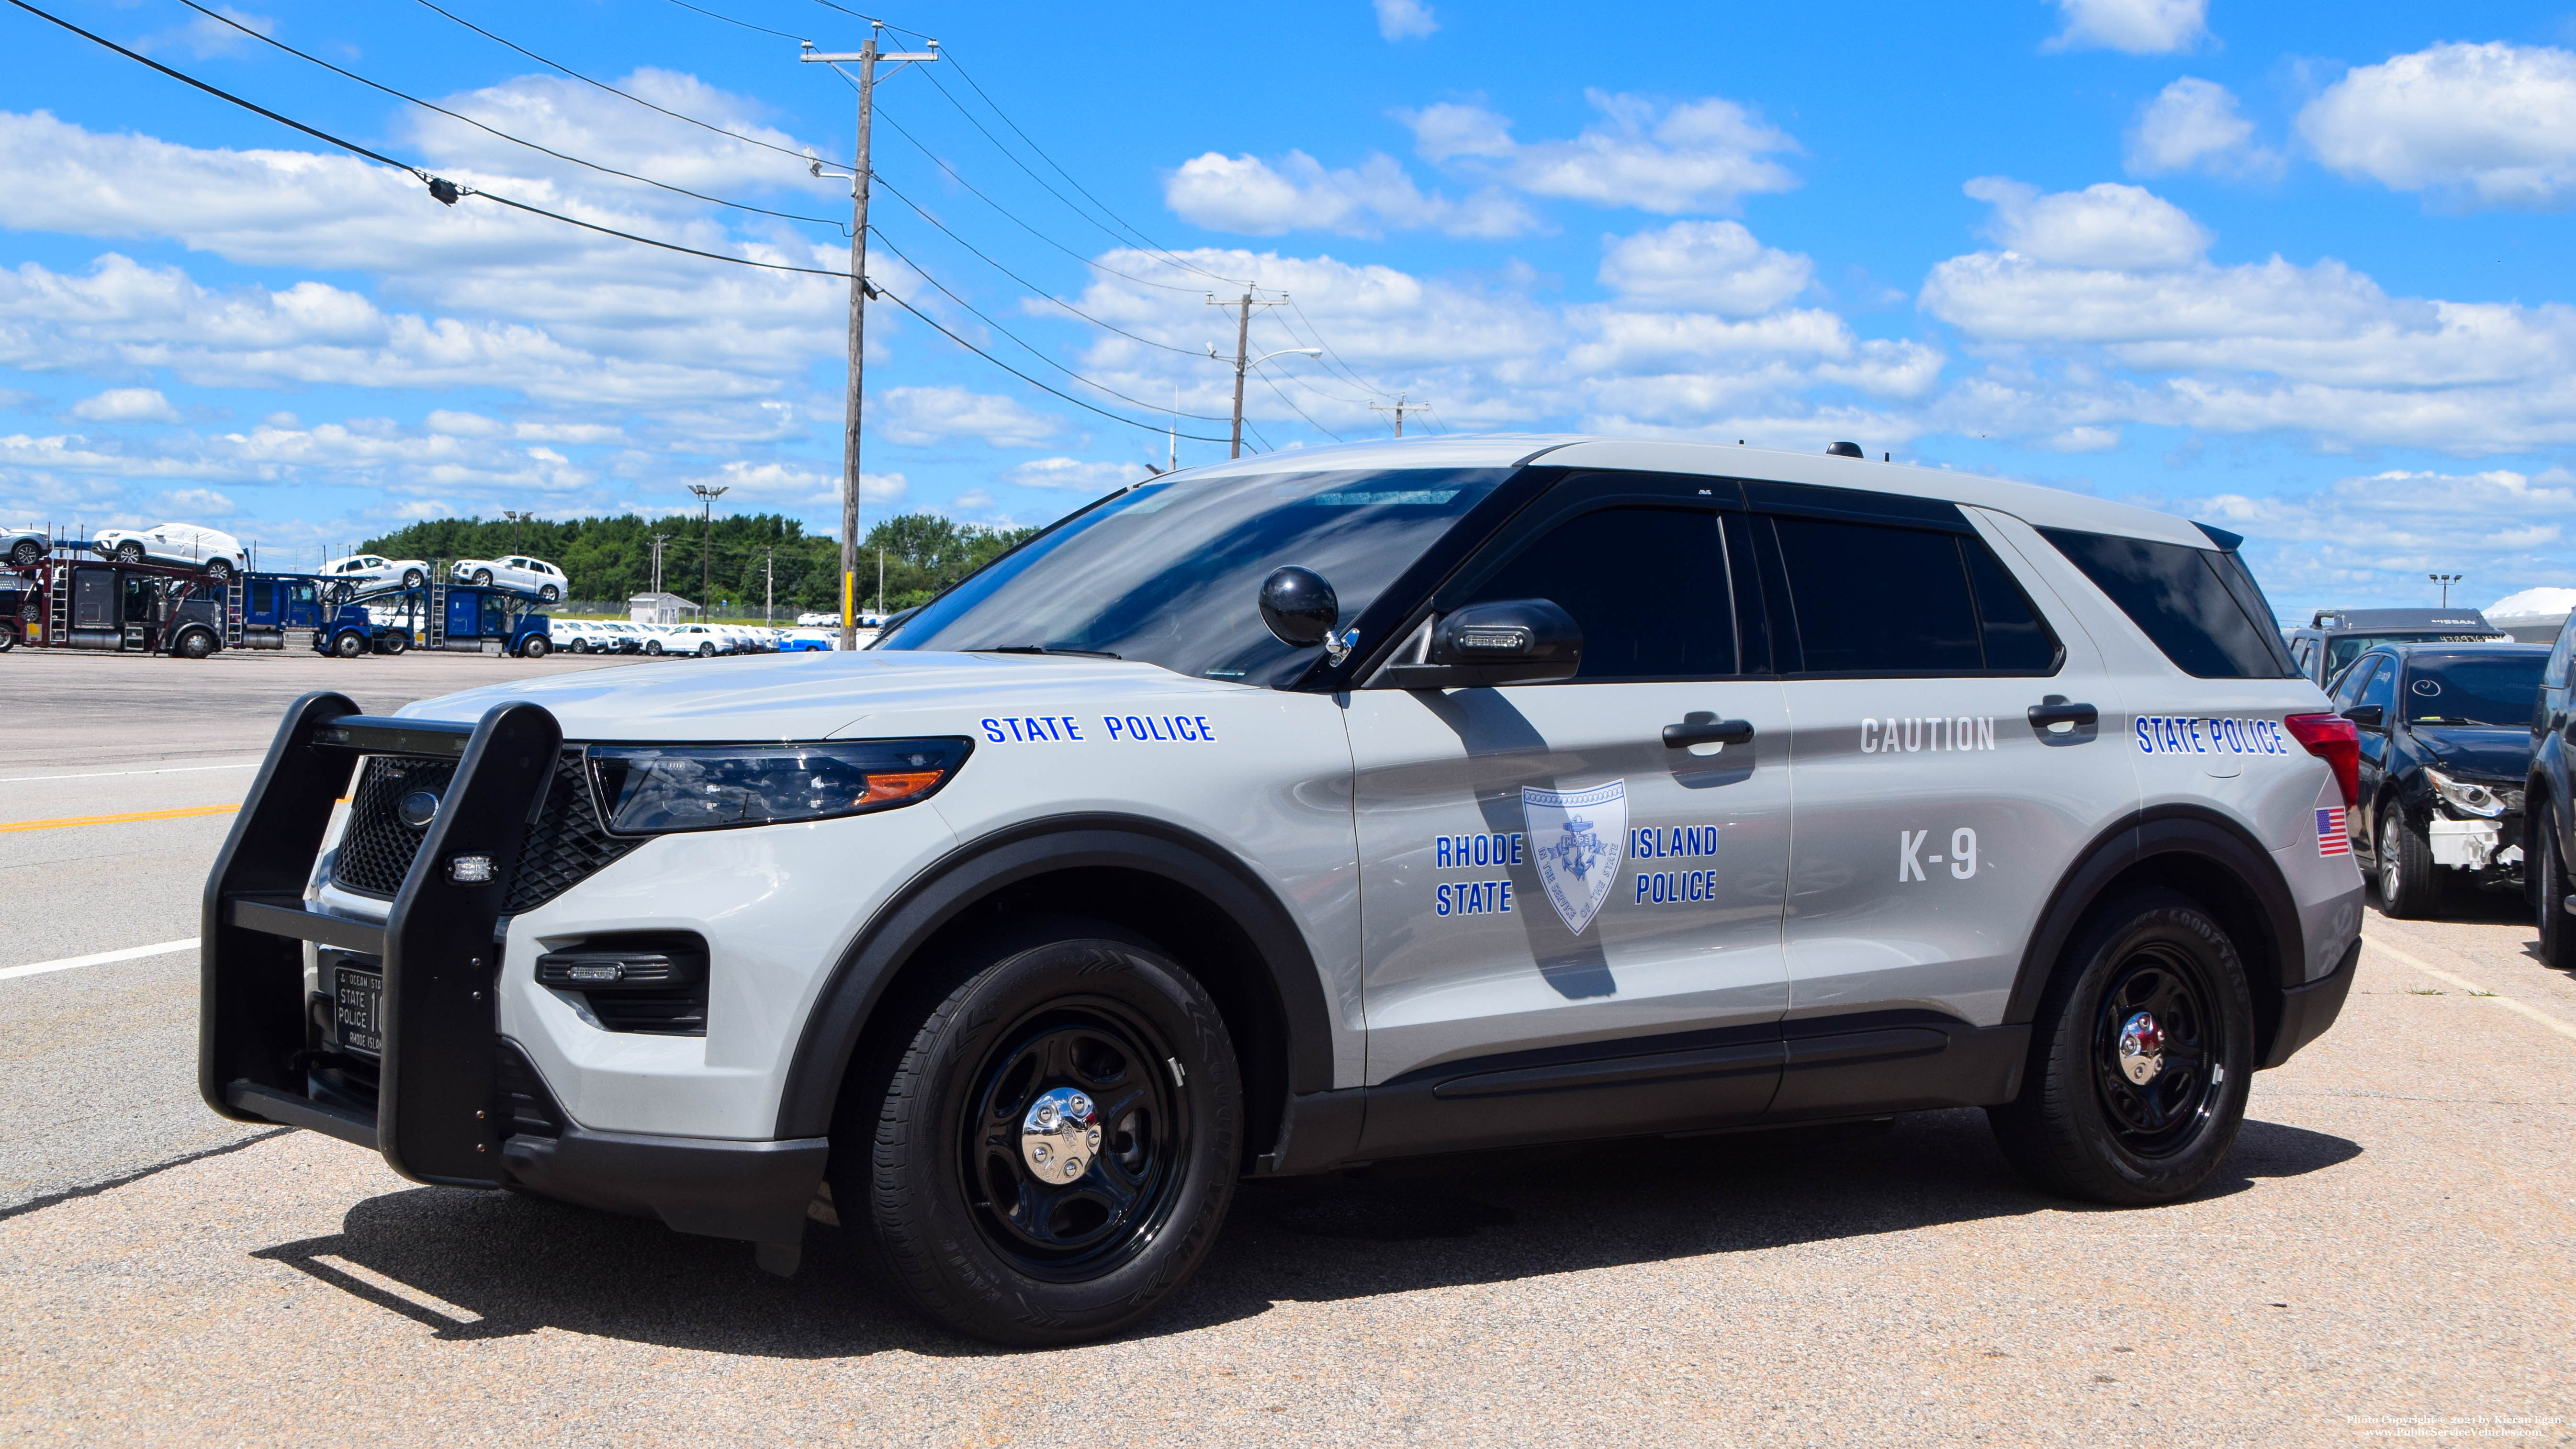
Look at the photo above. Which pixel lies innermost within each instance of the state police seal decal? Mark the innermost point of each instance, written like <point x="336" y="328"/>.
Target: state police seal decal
<point x="1581" y="838"/>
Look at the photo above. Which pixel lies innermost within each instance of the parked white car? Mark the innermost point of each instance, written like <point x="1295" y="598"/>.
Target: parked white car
<point x="370" y="568"/>
<point x="698" y="639"/>
<point x="581" y="636"/>
<point x="217" y="552"/>
<point x="514" y="572"/>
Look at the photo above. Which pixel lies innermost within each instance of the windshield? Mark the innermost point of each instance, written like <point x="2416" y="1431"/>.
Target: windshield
<point x="2467" y="690"/>
<point x="2347" y="648"/>
<point x="1170" y="572"/>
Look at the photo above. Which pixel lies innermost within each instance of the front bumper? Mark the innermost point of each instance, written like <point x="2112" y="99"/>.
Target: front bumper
<point x="2475" y="844"/>
<point x="452" y="1096"/>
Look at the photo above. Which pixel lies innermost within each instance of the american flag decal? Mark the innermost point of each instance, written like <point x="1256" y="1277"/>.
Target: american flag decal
<point x="2331" y="839"/>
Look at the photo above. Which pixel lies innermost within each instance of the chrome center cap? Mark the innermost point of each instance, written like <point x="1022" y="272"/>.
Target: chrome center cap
<point x="2142" y="1048"/>
<point x="1060" y="1135"/>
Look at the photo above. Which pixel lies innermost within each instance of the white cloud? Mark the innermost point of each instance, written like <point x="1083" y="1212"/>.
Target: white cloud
<point x="2194" y="124"/>
<point x="206" y="36"/>
<point x="1074" y="474"/>
<point x="126" y="405"/>
<point x="2375" y="536"/>
<point x="2104" y="225"/>
<point x="1713" y="264"/>
<point x="1698" y="156"/>
<point x="1404" y="19"/>
<point x="925" y="415"/>
<point x="2139" y="27"/>
<point x="2490" y="125"/>
<point x="193" y="503"/>
<point x="1248" y="195"/>
<point x="2083" y="439"/>
<point x="796" y="485"/>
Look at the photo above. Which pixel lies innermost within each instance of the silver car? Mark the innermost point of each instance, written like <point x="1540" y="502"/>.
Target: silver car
<point x="25" y="547"/>
<point x="1310" y="810"/>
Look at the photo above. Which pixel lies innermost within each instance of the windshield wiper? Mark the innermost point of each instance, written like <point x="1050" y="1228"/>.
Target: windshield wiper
<point x="1047" y="649"/>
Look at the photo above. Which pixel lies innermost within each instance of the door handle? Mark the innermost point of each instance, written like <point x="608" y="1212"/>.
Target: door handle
<point x="2058" y="710"/>
<point x="1707" y="729"/>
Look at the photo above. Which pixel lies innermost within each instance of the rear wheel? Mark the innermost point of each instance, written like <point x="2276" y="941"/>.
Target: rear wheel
<point x="220" y="570"/>
<point x="1053" y="1149"/>
<point x="2140" y="1057"/>
<point x="393" y="643"/>
<point x="2549" y="897"/>
<point x="411" y="578"/>
<point x="549" y="593"/>
<point x="652" y="646"/>
<point x="27" y="553"/>
<point x="706" y="651"/>
<point x="483" y="577"/>
<point x="2409" y="882"/>
<point x="8" y="637"/>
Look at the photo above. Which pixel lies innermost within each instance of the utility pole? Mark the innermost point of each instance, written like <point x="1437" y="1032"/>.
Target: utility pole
<point x="658" y="542"/>
<point x="2445" y="580"/>
<point x="1242" y="337"/>
<point x="881" y="587"/>
<point x="768" y="586"/>
<point x="707" y="550"/>
<point x="1399" y="409"/>
<point x="866" y="59"/>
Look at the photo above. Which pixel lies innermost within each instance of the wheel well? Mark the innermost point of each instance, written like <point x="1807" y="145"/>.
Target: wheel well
<point x="2232" y="903"/>
<point x="1182" y="922"/>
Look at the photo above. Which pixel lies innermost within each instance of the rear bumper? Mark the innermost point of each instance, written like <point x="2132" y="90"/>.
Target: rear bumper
<point x="2306" y="1011"/>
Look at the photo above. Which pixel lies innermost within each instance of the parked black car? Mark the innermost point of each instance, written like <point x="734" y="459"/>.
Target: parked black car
<point x="2550" y="829"/>
<point x="2334" y="638"/>
<point x="2445" y="752"/>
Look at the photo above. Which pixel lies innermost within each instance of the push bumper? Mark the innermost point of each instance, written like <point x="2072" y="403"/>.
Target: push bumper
<point x="443" y="1110"/>
<point x="2306" y="1011"/>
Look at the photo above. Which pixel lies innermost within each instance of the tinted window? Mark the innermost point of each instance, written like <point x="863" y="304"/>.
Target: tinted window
<point x="1170" y="572"/>
<point x="2469" y="690"/>
<point x="2382" y="688"/>
<point x="1647" y="585"/>
<point x="1868" y="599"/>
<point x="2199" y="606"/>
<point x="2348" y="688"/>
<point x="2555" y="676"/>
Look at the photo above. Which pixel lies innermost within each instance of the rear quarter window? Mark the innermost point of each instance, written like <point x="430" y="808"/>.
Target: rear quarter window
<point x="2200" y="606"/>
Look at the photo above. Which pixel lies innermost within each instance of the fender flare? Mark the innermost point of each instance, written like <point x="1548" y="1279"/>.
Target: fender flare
<point x="2164" y="830"/>
<point x="976" y="870"/>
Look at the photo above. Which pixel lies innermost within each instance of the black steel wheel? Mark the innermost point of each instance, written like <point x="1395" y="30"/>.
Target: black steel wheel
<point x="2548" y="886"/>
<point x="1052" y="1150"/>
<point x="2141" y="1053"/>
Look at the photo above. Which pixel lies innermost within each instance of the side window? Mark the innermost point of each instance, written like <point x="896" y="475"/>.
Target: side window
<point x="2554" y="674"/>
<point x="2382" y="688"/>
<point x="2200" y="607"/>
<point x="1870" y="599"/>
<point x="1647" y="586"/>
<point x="2348" y="688"/>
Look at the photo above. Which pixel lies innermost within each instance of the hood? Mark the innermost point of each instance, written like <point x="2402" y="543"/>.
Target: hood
<point x="809" y="696"/>
<point x="2480" y="754"/>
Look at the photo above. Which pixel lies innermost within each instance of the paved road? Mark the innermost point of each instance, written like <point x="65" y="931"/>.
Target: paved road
<point x="2388" y="1252"/>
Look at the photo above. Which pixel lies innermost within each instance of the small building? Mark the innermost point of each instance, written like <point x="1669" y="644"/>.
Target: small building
<point x="660" y="609"/>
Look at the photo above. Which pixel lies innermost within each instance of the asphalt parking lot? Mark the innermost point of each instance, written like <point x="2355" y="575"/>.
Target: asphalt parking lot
<point x="2387" y="1256"/>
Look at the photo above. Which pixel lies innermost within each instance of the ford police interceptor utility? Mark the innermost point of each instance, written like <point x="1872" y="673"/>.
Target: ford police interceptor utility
<point x="1303" y="811"/>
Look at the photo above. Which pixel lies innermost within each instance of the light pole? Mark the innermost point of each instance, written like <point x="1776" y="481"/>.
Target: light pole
<point x="707" y="548"/>
<point x="1242" y="365"/>
<point x="2445" y="580"/>
<point x="516" y="518"/>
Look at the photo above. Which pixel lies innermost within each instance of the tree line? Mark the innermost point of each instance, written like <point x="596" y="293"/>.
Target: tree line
<point x="611" y="559"/>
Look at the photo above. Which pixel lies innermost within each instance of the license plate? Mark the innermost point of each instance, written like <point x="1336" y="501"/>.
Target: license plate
<point x="357" y="1010"/>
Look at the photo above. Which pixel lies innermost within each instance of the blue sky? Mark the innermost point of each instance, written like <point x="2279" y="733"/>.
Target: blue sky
<point x="2297" y="270"/>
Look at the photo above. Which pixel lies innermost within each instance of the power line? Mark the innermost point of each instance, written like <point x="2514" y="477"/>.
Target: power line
<point x="1292" y="407"/>
<point x="612" y="90"/>
<point x="504" y="135"/>
<point x="1328" y="349"/>
<point x="1033" y="287"/>
<point x="745" y="24"/>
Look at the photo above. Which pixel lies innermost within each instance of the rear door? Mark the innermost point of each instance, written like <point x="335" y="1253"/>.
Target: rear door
<point x="1541" y="873"/>
<point x="1948" y="755"/>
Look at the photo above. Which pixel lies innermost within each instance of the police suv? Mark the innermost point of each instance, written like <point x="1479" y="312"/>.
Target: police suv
<point x="1279" y="816"/>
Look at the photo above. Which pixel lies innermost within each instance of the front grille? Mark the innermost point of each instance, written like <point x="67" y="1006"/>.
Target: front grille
<point x="565" y="846"/>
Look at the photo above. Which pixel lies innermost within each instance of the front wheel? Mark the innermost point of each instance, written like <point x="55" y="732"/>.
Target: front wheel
<point x="2140" y="1058"/>
<point x="195" y="644"/>
<point x="549" y="593"/>
<point x="2549" y="896"/>
<point x="653" y="647"/>
<point x="219" y="570"/>
<point x="27" y="554"/>
<point x="129" y="552"/>
<point x="535" y="648"/>
<point x="706" y="651"/>
<point x="412" y="578"/>
<point x="483" y="577"/>
<point x="1053" y="1148"/>
<point x="2409" y="886"/>
<point x="349" y="646"/>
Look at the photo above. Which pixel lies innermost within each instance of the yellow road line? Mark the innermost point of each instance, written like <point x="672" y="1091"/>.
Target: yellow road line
<point x="2476" y="992"/>
<point x="129" y="816"/>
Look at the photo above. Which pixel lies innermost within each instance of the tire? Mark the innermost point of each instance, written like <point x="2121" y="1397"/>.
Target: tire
<point x="129" y="552"/>
<point x="579" y="646"/>
<point x="537" y="647"/>
<point x="2409" y="884"/>
<point x="2083" y="1126"/>
<point x="220" y="570"/>
<point x="549" y="594"/>
<point x="412" y="578"/>
<point x="27" y="553"/>
<point x="195" y="644"/>
<point x="483" y="577"/>
<point x="392" y="643"/>
<point x="653" y="646"/>
<point x="706" y="651"/>
<point x="935" y="1132"/>
<point x="349" y="646"/>
<point x="2549" y="898"/>
<point x="8" y="637"/>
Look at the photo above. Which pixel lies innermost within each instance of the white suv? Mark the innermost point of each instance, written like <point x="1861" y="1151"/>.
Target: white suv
<point x="369" y="568"/>
<point x="514" y="572"/>
<point x="1316" y="809"/>
<point x="217" y="552"/>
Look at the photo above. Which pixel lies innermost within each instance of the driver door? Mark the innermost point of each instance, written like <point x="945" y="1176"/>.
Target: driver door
<point x="1546" y="884"/>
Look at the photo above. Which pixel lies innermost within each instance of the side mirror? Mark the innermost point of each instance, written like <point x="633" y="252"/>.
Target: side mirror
<point x="1299" y="607"/>
<point x="1515" y="641"/>
<point x="2368" y="717"/>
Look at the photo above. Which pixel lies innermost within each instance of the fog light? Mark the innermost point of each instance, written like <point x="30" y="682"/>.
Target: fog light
<point x="470" y="869"/>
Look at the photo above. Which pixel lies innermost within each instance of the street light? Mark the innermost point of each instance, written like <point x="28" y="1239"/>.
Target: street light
<point x="706" y="550"/>
<point x="2445" y="580"/>
<point x="516" y="518"/>
<point x="1243" y="365"/>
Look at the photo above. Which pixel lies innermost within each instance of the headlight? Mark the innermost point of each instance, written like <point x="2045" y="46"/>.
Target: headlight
<point x="2471" y="798"/>
<point x="657" y="789"/>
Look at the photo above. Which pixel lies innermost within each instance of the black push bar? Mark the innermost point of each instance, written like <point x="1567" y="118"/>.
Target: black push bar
<point x="437" y="1117"/>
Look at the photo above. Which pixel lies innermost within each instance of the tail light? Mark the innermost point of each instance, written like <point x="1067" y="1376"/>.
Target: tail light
<point x="2332" y="738"/>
